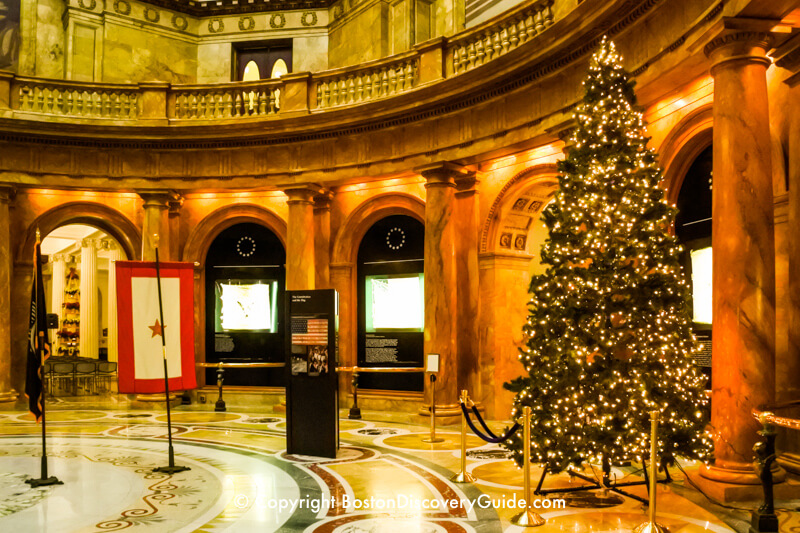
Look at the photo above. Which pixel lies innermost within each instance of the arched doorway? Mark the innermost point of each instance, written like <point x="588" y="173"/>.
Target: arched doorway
<point x="693" y="228"/>
<point x="245" y="277"/>
<point x="390" y="296"/>
<point x="80" y="289"/>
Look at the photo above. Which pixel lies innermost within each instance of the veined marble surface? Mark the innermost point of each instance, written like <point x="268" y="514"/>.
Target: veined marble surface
<point x="241" y="479"/>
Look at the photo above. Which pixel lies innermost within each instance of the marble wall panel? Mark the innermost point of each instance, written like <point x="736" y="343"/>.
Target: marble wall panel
<point x="131" y="54"/>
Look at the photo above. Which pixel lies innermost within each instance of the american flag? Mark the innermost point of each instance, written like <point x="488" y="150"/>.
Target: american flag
<point x="309" y="331"/>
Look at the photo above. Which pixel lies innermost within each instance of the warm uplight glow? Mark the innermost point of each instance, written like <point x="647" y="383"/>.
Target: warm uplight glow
<point x="395" y="302"/>
<point x="701" y="285"/>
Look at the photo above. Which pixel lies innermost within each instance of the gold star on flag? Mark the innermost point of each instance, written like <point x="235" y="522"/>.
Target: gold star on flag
<point x="157" y="328"/>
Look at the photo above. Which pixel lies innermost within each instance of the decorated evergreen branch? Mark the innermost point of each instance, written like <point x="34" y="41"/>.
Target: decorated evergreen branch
<point x="608" y="336"/>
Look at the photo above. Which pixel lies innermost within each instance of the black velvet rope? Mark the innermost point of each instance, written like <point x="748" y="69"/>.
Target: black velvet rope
<point x="493" y="438"/>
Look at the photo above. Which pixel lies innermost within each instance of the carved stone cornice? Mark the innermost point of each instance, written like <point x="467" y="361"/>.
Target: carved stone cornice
<point x="234" y="7"/>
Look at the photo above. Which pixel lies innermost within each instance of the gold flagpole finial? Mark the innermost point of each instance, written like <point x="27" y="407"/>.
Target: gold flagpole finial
<point x="155" y="240"/>
<point x="38" y="236"/>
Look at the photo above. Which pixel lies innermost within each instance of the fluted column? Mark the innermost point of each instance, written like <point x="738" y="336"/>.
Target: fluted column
<point x="156" y="222"/>
<point x="743" y="346"/>
<point x="300" y="246"/>
<point x="114" y="254"/>
<point x="440" y="284"/>
<point x="7" y="394"/>
<point x="58" y="263"/>
<point x="466" y="250"/>
<point x="322" y="239"/>
<point x="89" y="326"/>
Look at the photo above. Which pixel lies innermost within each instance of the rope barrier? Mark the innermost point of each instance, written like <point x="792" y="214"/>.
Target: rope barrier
<point x="494" y="439"/>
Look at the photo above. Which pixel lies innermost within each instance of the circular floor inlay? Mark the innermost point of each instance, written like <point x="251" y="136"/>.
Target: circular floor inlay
<point x="414" y="441"/>
<point x="199" y="418"/>
<point x="66" y="416"/>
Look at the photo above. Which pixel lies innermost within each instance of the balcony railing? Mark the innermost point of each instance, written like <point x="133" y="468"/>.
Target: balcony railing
<point x="426" y="63"/>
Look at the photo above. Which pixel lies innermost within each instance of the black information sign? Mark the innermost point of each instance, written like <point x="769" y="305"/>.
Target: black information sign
<point x="312" y="413"/>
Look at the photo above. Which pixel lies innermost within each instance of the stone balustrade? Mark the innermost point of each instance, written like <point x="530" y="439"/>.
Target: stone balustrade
<point x="75" y="99"/>
<point x="376" y="80"/>
<point x="425" y="63"/>
<point x="225" y="101"/>
<point x="494" y="38"/>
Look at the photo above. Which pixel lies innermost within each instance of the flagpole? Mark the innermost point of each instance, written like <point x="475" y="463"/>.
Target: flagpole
<point x="44" y="480"/>
<point x="171" y="469"/>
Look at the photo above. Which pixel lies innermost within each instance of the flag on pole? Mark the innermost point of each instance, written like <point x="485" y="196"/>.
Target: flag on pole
<point x="141" y="360"/>
<point x="38" y="344"/>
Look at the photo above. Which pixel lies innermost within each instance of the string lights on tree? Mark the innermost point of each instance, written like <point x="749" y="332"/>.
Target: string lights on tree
<point x="608" y="336"/>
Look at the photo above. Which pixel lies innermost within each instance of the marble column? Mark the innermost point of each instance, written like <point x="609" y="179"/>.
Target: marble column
<point x="440" y="284"/>
<point x="174" y="206"/>
<point x="788" y="387"/>
<point x="343" y="280"/>
<point x="322" y="239"/>
<point x="7" y="394"/>
<point x="743" y="346"/>
<point x="114" y="255"/>
<point x="156" y="222"/>
<point x="58" y="263"/>
<point x="467" y="276"/>
<point x="90" y="325"/>
<point x="300" y="246"/>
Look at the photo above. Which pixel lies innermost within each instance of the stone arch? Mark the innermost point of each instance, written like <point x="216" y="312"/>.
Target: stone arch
<point x="681" y="147"/>
<point x="349" y="236"/>
<point x="212" y="225"/>
<point x="93" y="214"/>
<point x="540" y="179"/>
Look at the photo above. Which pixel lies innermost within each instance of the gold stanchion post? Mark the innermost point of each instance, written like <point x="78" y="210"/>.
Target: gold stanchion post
<point x="433" y="438"/>
<point x="527" y="518"/>
<point x="463" y="476"/>
<point x="651" y="526"/>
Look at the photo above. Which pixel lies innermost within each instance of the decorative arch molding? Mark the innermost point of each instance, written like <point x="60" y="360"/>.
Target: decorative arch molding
<point x="93" y="214"/>
<point x="527" y="179"/>
<point x="681" y="147"/>
<point x="206" y="231"/>
<point x="348" y="238"/>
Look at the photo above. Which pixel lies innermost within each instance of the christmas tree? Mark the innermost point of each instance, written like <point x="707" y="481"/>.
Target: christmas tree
<point x="608" y="336"/>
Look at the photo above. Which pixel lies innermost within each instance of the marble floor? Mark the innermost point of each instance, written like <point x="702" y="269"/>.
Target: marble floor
<point x="385" y="479"/>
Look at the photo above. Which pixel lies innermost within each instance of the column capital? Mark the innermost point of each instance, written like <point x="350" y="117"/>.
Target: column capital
<point x="91" y="243"/>
<point x="742" y="39"/>
<point x="322" y="200"/>
<point x="60" y="257"/>
<point x="466" y="184"/>
<point x="174" y="204"/>
<point x="155" y="199"/>
<point x="441" y="174"/>
<point x="7" y="194"/>
<point x="302" y="194"/>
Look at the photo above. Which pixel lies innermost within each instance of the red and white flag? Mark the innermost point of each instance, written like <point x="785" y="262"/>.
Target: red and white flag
<point x="141" y="361"/>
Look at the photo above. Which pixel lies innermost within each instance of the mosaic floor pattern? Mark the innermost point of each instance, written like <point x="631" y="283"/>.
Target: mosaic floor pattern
<point x="385" y="479"/>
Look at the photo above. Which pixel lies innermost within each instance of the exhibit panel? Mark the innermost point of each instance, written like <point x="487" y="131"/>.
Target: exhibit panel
<point x="312" y="395"/>
<point x="245" y="280"/>
<point x="391" y="310"/>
